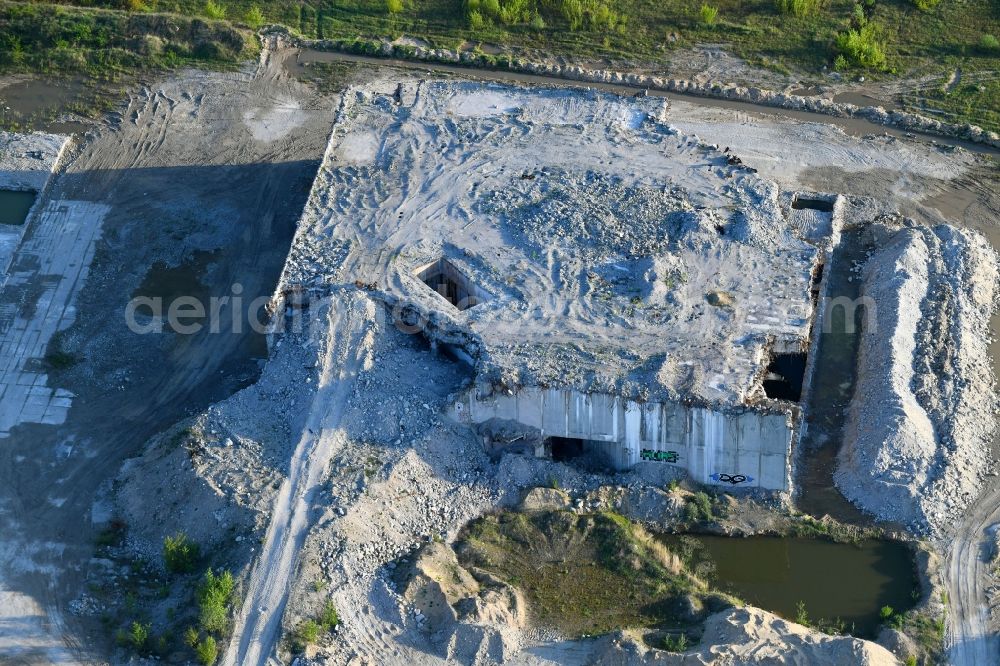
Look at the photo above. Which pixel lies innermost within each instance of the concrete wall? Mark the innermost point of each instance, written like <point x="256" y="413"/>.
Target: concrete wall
<point x="730" y="450"/>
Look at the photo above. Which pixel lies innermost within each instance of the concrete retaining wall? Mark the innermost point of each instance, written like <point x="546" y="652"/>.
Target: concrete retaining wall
<point x="749" y="449"/>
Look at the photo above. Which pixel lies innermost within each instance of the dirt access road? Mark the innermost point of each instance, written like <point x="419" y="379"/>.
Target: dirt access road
<point x="348" y="351"/>
<point x="219" y="163"/>
<point x="967" y="565"/>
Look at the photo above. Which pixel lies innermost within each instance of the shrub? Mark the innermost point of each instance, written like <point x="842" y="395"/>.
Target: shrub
<point x="862" y="46"/>
<point x="572" y="11"/>
<point x="476" y="21"/>
<point x="215" y="10"/>
<point x="394" y="6"/>
<point x="304" y="635"/>
<point x="138" y="635"/>
<point x="180" y="554"/>
<point x="925" y="5"/>
<point x="491" y="8"/>
<point x="675" y="643"/>
<point x="801" y="615"/>
<point x="708" y="14"/>
<point x="885" y="613"/>
<point x="538" y="23"/>
<point x="255" y="17"/>
<point x="214" y="596"/>
<point x="989" y="43"/>
<point x="840" y="63"/>
<point x="328" y="619"/>
<point x="798" y="8"/>
<point x="207" y="651"/>
<point x="191" y="637"/>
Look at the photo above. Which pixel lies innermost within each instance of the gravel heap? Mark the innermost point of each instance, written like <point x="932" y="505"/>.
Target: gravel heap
<point x="919" y="429"/>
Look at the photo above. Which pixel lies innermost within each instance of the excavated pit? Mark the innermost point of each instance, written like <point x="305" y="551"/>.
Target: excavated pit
<point x="446" y="280"/>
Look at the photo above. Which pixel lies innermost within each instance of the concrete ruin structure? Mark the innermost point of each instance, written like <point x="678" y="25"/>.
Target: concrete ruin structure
<point x="621" y="291"/>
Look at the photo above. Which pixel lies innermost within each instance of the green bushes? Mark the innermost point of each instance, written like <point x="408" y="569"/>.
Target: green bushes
<point x="180" y="554"/>
<point x="708" y="14"/>
<point x="207" y="651"/>
<point x="215" y="10"/>
<point x="214" y="595"/>
<point x="677" y="643"/>
<point x="394" y="6"/>
<point x="328" y="618"/>
<point x="254" y="17"/>
<point x="307" y="632"/>
<point x="862" y="46"/>
<point x="925" y="5"/>
<point x="989" y="44"/>
<point x="700" y="508"/>
<point x="799" y="8"/>
<point x="592" y="15"/>
<point x="138" y="636"/>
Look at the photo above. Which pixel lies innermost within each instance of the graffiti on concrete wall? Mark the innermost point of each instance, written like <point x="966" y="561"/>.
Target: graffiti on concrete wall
<point x="732" y="479"/>
<point x="659" y="456"/>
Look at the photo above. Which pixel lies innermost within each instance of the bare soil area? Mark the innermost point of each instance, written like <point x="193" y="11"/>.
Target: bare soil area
<point x="314" y="474"/>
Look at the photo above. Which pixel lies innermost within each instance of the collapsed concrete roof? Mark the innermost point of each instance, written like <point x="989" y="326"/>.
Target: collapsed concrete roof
<point x="564" y="238"/>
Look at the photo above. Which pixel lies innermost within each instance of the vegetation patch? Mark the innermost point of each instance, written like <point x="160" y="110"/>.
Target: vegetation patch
<point x="48" y="39"/>
<point x="879" y="37"/>
<point x="583" y="574"/>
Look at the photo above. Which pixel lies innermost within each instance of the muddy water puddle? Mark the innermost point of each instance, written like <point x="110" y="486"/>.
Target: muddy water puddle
<point x="860" y="99"/>
<point x="15" y="206"/>
<point x="37" y="102"/>
<point x="832" y="582"/>
<point x="191" y="282"/>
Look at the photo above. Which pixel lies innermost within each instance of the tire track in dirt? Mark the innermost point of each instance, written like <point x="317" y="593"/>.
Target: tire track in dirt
<point x="349" y="350"/>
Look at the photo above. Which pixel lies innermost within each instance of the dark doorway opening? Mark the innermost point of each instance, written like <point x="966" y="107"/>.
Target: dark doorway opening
<point x="813" y="203"/>
<point x="565" y="448"/>
<point x="785" y="373"/>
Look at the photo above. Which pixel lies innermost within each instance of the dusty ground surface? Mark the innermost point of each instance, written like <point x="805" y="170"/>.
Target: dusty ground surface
<point x="197" y="162"/>
<point x="392" y="481"/>
<point x="589" y="225"/>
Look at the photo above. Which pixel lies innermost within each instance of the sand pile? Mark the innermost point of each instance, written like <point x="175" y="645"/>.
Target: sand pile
<point x="917" y="440"/>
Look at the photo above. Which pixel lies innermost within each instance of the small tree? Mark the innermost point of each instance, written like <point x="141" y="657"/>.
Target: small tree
<point x="801" y="615"/>
<point x="304" y="635"/>
<point x="885" y="613"/>
<point x="215" y="10"/>
<point x="708" y="14"/>
<point x="329" y="619"/>
<point x="214" y="596"/>
<point x="207" y="651"/>
<point x="180" y="554"/>
<point x="394" y="6"/>
<point x="138" y="635"/>
<point x="255" y="17"/>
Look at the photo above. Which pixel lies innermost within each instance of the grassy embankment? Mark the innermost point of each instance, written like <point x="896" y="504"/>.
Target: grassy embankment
<point x="587" y="574"/>
<point x="880" y="38"/>
<point x="95" y="52"/>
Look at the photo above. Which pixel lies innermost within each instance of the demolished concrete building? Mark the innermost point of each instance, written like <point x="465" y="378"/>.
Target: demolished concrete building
<point x="621" y="290"/>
